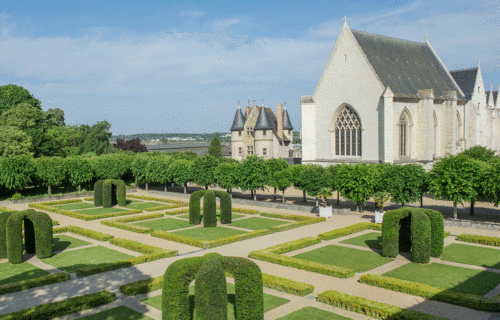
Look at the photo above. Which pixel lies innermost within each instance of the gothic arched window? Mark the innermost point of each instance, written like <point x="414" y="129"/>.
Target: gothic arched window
<point x="403" y="134"/>
<point x="347" y="133"/>
<point x="459" y="127"/>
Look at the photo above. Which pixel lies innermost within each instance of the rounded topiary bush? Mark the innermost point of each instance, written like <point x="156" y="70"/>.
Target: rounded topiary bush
<point x="210" y="290"/>
<point x="209" y="209"/>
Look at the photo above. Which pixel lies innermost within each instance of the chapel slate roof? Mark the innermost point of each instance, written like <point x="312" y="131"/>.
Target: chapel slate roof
<point x="466" y="79"/>
<point x="239" y="121"/>
<point x="287" y="124"/>
<point x="405" y="66"/>
<point x="495" y="97"/>
<point x="265" y="120"/>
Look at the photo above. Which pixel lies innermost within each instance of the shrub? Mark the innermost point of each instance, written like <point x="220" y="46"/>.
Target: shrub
<point x="58" y="202"/>
<point x="245" y="211"/>
<point x="472" y="238"/>
<point x="210" y="290"/>
<point x="142" y="286"/>
<point x="209" y="209"/>
<point x="140" y="247"/>
<point x="194" y="207"/>
<point x="337" y="233"/>
<point x="437" y="232"/>
<point x="85" y="232"/>
<point x="286" y="285"/>
<point x="122" y="223"/>
<point x="420" y="238"/>
<point x="16" y="196"/>
<point x="225" y="206"/>
<point x="27" y="284"/>
<point x="98" y="193"/>
<point x="76" y="214"/>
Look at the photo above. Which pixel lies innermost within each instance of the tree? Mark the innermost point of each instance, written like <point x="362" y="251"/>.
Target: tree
<point x="296" y="172"/>
<point x="274" y="165"/>
<point x="157" y="170"/>
<point x="79" y="170"/>
<point x="479" y="153"/>
<point x="16" y="172"/>
<point x="491" y="182"/>
<point x="453" y="178"/>
<point x="357" y="182"/>
<point x="11" y="95"/>
<point x="96" y="138"/>
<point x="54" y="117"/>
<point x="253" y="174"/>
<point x="50" y="171"/>
<point x="133" y="145"/>
<point x="180" y="171"/>
<point x="215" y="149"/>
<point x="184" y="155"/>
<point x="139" y="167"/>
<point x="14" y="142"/>
<point x="282" y="180"/>
<point x="62" y="141"/>
<point x="227" y="175"/>
<point x="403" y="182"/>
<point x="113" y="166"/>
<point x="203" y="170"/>
<point x="314" y="178"/>
<point x="333" y="180"/>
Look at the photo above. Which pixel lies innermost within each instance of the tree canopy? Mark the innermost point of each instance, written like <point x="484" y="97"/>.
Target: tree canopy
<point x="133" y="145"/>
<point x="254" y="174"/>
<point x="12" y="95"/>
<point x="203" y="170"/>
<point x="215" y="149"/>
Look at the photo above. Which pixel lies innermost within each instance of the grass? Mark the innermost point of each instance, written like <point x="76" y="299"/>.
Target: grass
<point x="473" y="255"/>
<point x="143" y="205"/>
<point x="448" y="277"/>
<point x="257" y="223"/>
<point x="207" y="234"/>
<point x="359" y="260"/>
<point x="98" y="211"/>
<point x="74" y="206"/>
<point x="70" y="261"/>
<point x="61" y="242"/>
<point x="119" y="313"/>
<point x="11" y="273"/>
<point x="233" y="216"/>
<point x="370" y="240"/>
<point x="312" y="313"/>
<point x="165" y="224"/>
<point x="270" y="301"/>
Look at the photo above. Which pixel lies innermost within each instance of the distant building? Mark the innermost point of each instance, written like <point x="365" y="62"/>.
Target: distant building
<point x="261" y="133"/>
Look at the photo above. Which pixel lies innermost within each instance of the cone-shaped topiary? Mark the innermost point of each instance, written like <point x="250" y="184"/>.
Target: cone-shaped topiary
<point x="209" y="210"/>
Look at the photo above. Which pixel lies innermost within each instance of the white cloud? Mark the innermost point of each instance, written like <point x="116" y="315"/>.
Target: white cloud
<point x="189" y="16"/>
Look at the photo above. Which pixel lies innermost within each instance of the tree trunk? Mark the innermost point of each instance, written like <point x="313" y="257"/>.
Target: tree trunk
<point x="79" y="187"/>
<point x="227" y="190"/>
<point x="135" y="180"/>
<point x="185" y="187"/>
<point x="274" y="198"/>
<point x="422" y="200"/>
<point x="255" y="195"/>
<point x="403" y="204"/>
<point x="206" y="187"/>
<point x="338" y="195"/>
<point x="283" y="196"/>
<point x="50" y="191"/>
<point x="471" y="212"/>
<point x="455" y="210"/>
<point x="304" y="196"/>
<point x="165" y="187"/>
<point x="147" y="187"/>
<point x="251" y="194"/>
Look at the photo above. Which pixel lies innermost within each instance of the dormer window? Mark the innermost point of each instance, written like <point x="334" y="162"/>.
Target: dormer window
<point x="264" y="132"/>
<point x="249" y="131"/>
<point x="239" y="133"/>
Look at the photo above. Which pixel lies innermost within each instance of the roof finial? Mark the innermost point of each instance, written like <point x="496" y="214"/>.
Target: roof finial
<point x="345" y="20"/>
<point x="238" y="104"/>
<point x="479" y="63"/>
<point x="262" y="101"/>
<point x="426" y="37"/>
<point x="284" y="106"/>
<point x="254" y="101"/>
<point x="248" y="102"/>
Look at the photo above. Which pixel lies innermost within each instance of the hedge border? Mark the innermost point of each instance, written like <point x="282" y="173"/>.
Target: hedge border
<point x="471" y="301"/>
<point x="32" y="283"/>
<point x="74" y="214"/>
<point x="274" y="255"/>
<point x="337" y="233"/>
<point x="134" y="196"/>
<point x="122" y="223"/>
<point x="472" y="238"/>
<point x="370" y="308"/>
<point x="58" y="202"/>
<point x="61" y="308"/>
<point x="84" y="232"/>
<point x="140" y="247"/>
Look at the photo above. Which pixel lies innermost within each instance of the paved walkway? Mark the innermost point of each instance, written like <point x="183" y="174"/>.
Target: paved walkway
<point x="114" y="279"/>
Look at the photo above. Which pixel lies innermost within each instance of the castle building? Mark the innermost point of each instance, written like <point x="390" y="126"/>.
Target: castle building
<point x="382" y="99"/>
<point x="261" y="133"/>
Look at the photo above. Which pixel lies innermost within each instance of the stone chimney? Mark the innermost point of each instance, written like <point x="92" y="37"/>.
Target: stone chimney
<point x="280" y="121"/>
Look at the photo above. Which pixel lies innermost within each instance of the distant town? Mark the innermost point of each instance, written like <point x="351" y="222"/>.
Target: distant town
<point x="162" y="138"/>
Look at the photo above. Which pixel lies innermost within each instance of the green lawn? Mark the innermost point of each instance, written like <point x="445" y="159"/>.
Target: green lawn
<point x="100" y="210"/>
<point x="257" y="223"/>
<point x="165" y="224"/>
<point x="207" y="234"/>
<point x="74" y="206"/>
<point x="448" y="277"/>
<point x="312" y="313"/>
<point x="144" y="205"/>
<point x="474" y="255"/>
<point x="119" y="313"/>
<point x="270" y="301"/>
<point x="359" y="260"/>
<point x="70" y="261"/>
<point x="10" y="273"/>
<point x="370" y="240"/>
<point x="233" y="216"/>
<point x="61" y="242"/>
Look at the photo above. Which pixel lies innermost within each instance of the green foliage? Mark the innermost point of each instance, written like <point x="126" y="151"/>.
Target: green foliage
<point x="14" y="142"/>
<point x="96" y="139"/>
<point x="54" y="117"/>
<point x="16" y="172"/>
<point x="210" y="290"/>
<point x="139" y="247"/>
<point x="194" y="207"/>
<point x="157" y="169"/>
<point x="84" y="232"/>
<point x="314" y="178"/>
<point x="62" y="141"/>
<point x="226" y="174"/>
<point x="215" y="149"/>
<point x="209" y="209"/>
<point x="79" y="170"/>
<point x="83" y="216"/>
<point x="50" y="171"/>
<point x="276" y="164"/>
<point x="287" y="285"/>
<point x="16" y="196"/>
<point x="254" y="173"/>
<point x="472" y="238"/>
<point x="142" y="286"/>
<point x="61" y="308"/>
<point x="122" y="223"/>
<point x="113" y="166"/>
<point x="184" y="155"/>
<point x="36" y="224"/>
<point x="139" y="165"/>
<point x="98" y="193"/>
<point x="4" y="215"/>
<point x="180" y="172"/>
<point x="357" y="182"/>
<point x="437" y="232"/>
<point x="225" y="206"/>
<point x="33" y="283"/>
<point x="403" y="182"/>
<point x="479" y="153"/>
<point x="203" y="170"/>
<point x="491" y="181"/>
<point x="11" y="95"/>
<point x="296" y="176"/>
<point x="108" y="194"/>
<point x="281" y="180"/>
<point x="337" y="233"/>
<point x="420" y="238"/>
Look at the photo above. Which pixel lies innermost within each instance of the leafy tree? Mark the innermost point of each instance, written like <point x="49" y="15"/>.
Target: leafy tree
<point x="403" y="182"/>
<point x="203" y="170"/>
<point x="113" y="166"/>
<point x="133" y="145"/>
<point x="14" y="142"/>
<point x="50" y="171"/>
<point x="227" y="175"/>
<point x="282" y="180"/>
<point x="54" y="117"/>
<point x="253" y="174"/>
<point x="139" y="167"/>
<point x="479" y="153"/>
<point x="79" y="170"/>
<point x="491" y="182"/>
<point x="96" y="138"/>
<point x="215" y="149"/>
<point x="314" y="178"/>
<point x="357" y="182"/>
<point x="274" y="165"/>
<point x="12" y="95"/>
<point x="157" y="170"/>
<point x="62" y="141"/>
<point x="16" y="172"/>
<point x="296" y="178"/>
<point x="332" y="180"/>
<point x="180" y="171"/>
<point x="453" y="178"/>
<point x="478" y="184"/>
<point x="184" y="155"/>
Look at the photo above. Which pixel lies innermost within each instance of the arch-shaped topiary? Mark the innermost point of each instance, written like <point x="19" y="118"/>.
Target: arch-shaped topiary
<point x="37" y="235"/>
<point x="3" y="233"/>
<point x="98" y="193"/>
<point x="194" y="206"/>
<point x="209" y="209"/>
<point x="421" y="230"/>
<point x="104" y="195"/>
<point x="249" y="300"/>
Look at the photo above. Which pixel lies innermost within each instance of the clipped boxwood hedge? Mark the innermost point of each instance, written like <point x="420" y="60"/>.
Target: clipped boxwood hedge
<point x="122" y="223"/>
<point x="32" y="283"/>
<point x="75" y="214"/>
<point x="245" y="211"/>
<point x="61" y="308"/>
<point x="211" y="290"/>
<point x="140" y="247"/>
<point x="194" y="207"/>
<point x="58" y="202"/>
<point x="225" y="206"/>
<point x="134" y="196"/>
<point x="371" y="308"/>
<point x="287" y="285"/>
<point x="337" y="233"/>
<point x="107" y="193"/>
<point x="423" y="290"/>
<point x="142" y="286"/>
<point x="85" y="232"/>
<point x="98" y="193"/>
<point x="472" y="238"/>
<point x="209" y="209"/>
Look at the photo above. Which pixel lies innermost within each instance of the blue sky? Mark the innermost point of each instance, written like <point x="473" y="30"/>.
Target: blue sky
<point x="157" y="66"/>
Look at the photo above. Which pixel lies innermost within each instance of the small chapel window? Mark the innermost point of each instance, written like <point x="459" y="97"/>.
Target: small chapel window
<point x="347" y="133"/>
<point x="403" y="134"/>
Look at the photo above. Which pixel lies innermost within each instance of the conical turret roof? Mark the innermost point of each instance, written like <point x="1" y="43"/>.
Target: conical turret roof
<point x="263" y="121"/>
<point x="287" y="124"/>
<point x="239" y="121"/>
